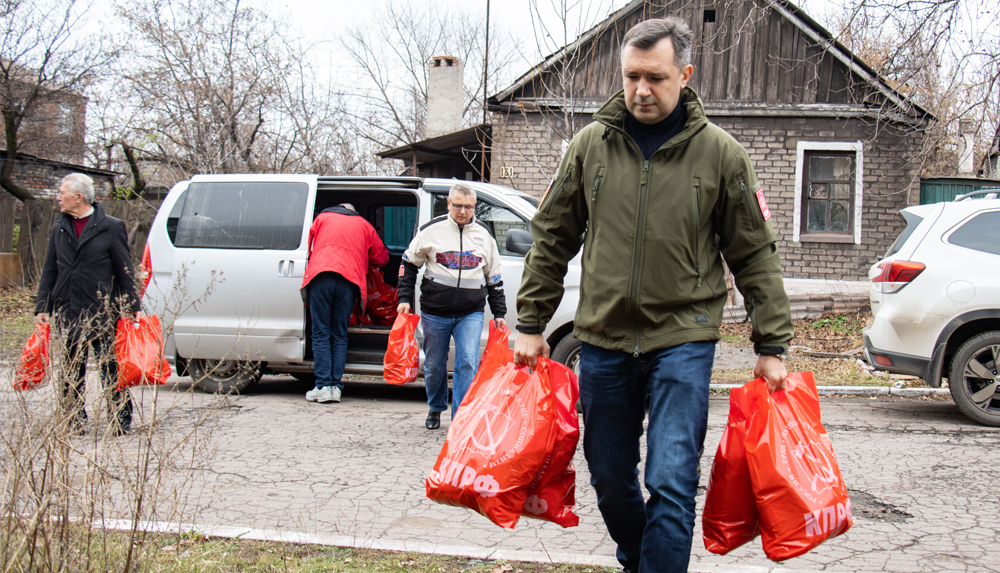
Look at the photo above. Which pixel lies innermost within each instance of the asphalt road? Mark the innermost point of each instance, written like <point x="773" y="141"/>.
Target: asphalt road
<point x="923" y="480"/>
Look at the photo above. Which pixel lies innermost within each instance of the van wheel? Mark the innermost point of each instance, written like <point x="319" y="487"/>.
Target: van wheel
<point x="974" y="380"/>
<point x="223" y="376"/>
<point x="567" y="352"/>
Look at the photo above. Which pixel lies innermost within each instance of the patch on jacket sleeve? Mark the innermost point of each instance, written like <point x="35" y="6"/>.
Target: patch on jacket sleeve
<point x="763" y="204"/>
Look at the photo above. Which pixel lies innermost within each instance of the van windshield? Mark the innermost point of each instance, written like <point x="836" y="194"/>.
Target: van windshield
<point x="243" y="215"/>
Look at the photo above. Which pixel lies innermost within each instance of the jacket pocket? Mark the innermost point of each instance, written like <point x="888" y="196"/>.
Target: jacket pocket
<point x="592" y="222"/>
<point x="750" y="216"/>
<point x="559" y="196"/>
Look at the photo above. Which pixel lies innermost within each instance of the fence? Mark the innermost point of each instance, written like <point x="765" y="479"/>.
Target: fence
<point x="31" y="223"/>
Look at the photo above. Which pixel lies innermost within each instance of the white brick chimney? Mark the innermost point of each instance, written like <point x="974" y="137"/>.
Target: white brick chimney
<point x="445" y="93"/>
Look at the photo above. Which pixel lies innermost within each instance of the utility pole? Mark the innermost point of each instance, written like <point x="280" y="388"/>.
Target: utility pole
<point x="486" y="67"/>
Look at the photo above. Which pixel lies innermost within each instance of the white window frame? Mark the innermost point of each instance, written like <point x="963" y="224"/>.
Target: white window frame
<point x="800" y="152"/>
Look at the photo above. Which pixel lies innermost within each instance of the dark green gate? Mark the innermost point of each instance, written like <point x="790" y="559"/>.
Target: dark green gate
<point x="938" y="189"/>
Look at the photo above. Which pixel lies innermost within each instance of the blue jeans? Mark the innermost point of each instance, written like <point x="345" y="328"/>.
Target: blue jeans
<point x="656" y="535"/>
<point x="438" y="332"/>
<point x="331" y="300"/>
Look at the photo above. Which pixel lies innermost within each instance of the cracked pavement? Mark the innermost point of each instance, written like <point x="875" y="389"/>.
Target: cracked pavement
<point x="923" y="480"/>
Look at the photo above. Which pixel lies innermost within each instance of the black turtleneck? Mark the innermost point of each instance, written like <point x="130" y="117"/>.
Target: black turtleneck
<point x="649" y="137"/>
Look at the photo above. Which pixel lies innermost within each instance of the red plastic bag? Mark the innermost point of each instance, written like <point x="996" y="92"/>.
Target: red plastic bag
<point x="730" y="516"/>
<point x="34" y="363"/>
<point x="498" y="441"/>
<point x="382" y="299"/>
<point x="402" y="356"/>
<point x="801" y="497"/>
<point x="139" y="352"/>
<point x="551" y="495"/>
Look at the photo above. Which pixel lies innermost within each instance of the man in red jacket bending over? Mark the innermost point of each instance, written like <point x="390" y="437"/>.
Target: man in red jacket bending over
<point x="342" y="245"/>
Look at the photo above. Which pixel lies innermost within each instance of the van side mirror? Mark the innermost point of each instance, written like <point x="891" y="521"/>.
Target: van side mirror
<point x="519" y="241"/>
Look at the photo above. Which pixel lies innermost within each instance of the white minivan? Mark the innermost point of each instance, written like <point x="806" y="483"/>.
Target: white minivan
<point x="226" y="255"/>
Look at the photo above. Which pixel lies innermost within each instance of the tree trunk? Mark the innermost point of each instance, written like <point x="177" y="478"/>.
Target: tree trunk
<point x="10" y="157"/>
<point x="7" y="205"/>
<point x="138" y="183"/>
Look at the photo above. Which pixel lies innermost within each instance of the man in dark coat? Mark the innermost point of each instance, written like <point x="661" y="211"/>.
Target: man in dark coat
<point x="86" y="283"/>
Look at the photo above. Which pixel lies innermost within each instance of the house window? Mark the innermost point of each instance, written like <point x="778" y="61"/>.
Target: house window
<point x="828" y="192"/>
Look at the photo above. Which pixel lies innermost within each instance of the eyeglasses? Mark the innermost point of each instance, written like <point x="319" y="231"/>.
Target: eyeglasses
<point x="462" y="207"/>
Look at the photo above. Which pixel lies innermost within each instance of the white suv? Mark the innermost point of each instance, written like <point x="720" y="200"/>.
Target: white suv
<point x="936" y="302"/>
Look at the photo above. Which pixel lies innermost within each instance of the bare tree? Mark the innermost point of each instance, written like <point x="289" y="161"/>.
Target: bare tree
<point x="945" y="54"/>
<point x="563" y="93"/>
<point x="220" y="87"/>
<point x="392" y="59"/>
<point x="45" y="61"/>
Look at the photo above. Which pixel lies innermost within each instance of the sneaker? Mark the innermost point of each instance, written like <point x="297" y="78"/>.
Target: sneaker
<point x="433" y="421"/>
<point x="312" y="394"/>
<point x="324" y="395"/>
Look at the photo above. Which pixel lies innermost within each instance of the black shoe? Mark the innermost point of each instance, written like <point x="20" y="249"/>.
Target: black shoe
<point x="118" y="430"/>
<point x="433" y="421"/>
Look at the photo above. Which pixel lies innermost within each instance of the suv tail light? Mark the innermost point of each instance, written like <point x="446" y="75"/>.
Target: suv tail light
<point x="145" y="270"/>
<point x="897" y="274"/>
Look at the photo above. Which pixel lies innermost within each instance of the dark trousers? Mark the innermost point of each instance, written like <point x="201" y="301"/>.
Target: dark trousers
<point x="331" y="300"/>
<point x="78" y="344"/>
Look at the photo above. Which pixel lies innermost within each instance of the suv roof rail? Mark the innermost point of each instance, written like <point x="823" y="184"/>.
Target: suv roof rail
<point x="987" y="193"/>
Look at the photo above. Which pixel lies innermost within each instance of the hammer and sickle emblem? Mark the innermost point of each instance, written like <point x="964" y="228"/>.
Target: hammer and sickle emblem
<point x="492" y="442"/>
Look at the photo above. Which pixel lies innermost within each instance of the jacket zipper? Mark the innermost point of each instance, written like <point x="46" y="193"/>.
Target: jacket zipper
<point x="697" y="226"/>
<point x="638" y="256"/>
<point x="593" y="207"/>
<point x="597" y="185"/>
<point x="461" y="263"/>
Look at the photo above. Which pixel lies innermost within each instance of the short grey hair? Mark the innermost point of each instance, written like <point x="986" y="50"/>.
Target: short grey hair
<point x="349" y="206"/>
<point x="80" y="183"/>
<point x="648" y="33"/>
<point x="463" y="189"/>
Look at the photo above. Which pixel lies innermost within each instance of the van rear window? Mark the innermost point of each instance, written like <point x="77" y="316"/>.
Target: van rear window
<point x="243" y="215"/>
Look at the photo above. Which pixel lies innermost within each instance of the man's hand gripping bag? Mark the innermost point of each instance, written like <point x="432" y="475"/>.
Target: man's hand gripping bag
<point x="499" y="439"/>
<point x="730" y="516"/>
<point x="552" y="494"/>
<point x="801" y="497"/>
<point x="402" y="356"/>
<point x="34" y="363"/>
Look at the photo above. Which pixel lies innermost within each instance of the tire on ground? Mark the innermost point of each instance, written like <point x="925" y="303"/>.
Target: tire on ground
<point x="973" y="374"/>
<point x="223" y="376"/>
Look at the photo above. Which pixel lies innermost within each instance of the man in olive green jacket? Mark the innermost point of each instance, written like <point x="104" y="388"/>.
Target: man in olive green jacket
<point x="657" y="196"/>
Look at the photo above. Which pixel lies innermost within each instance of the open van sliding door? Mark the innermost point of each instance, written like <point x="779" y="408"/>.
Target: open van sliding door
<point x="391" y="206"/>
<point x="242" y="244"/>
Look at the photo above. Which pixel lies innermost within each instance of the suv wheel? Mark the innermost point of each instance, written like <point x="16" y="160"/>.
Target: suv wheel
<point x="567" y="352"/>
<point x="223" y="376"/>
<point x="974" y="380"/>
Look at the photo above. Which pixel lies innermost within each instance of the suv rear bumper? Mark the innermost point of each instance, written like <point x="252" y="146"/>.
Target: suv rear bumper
<point x="900" y="363"/>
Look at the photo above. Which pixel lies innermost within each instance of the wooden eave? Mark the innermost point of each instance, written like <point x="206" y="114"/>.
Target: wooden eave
<point x="817" y="33"/>
<point x="445" y="146"/>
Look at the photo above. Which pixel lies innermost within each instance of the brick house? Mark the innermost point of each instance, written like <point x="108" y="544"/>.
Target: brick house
<point x="55" y="129"/>
<point x="835" y="147"/>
